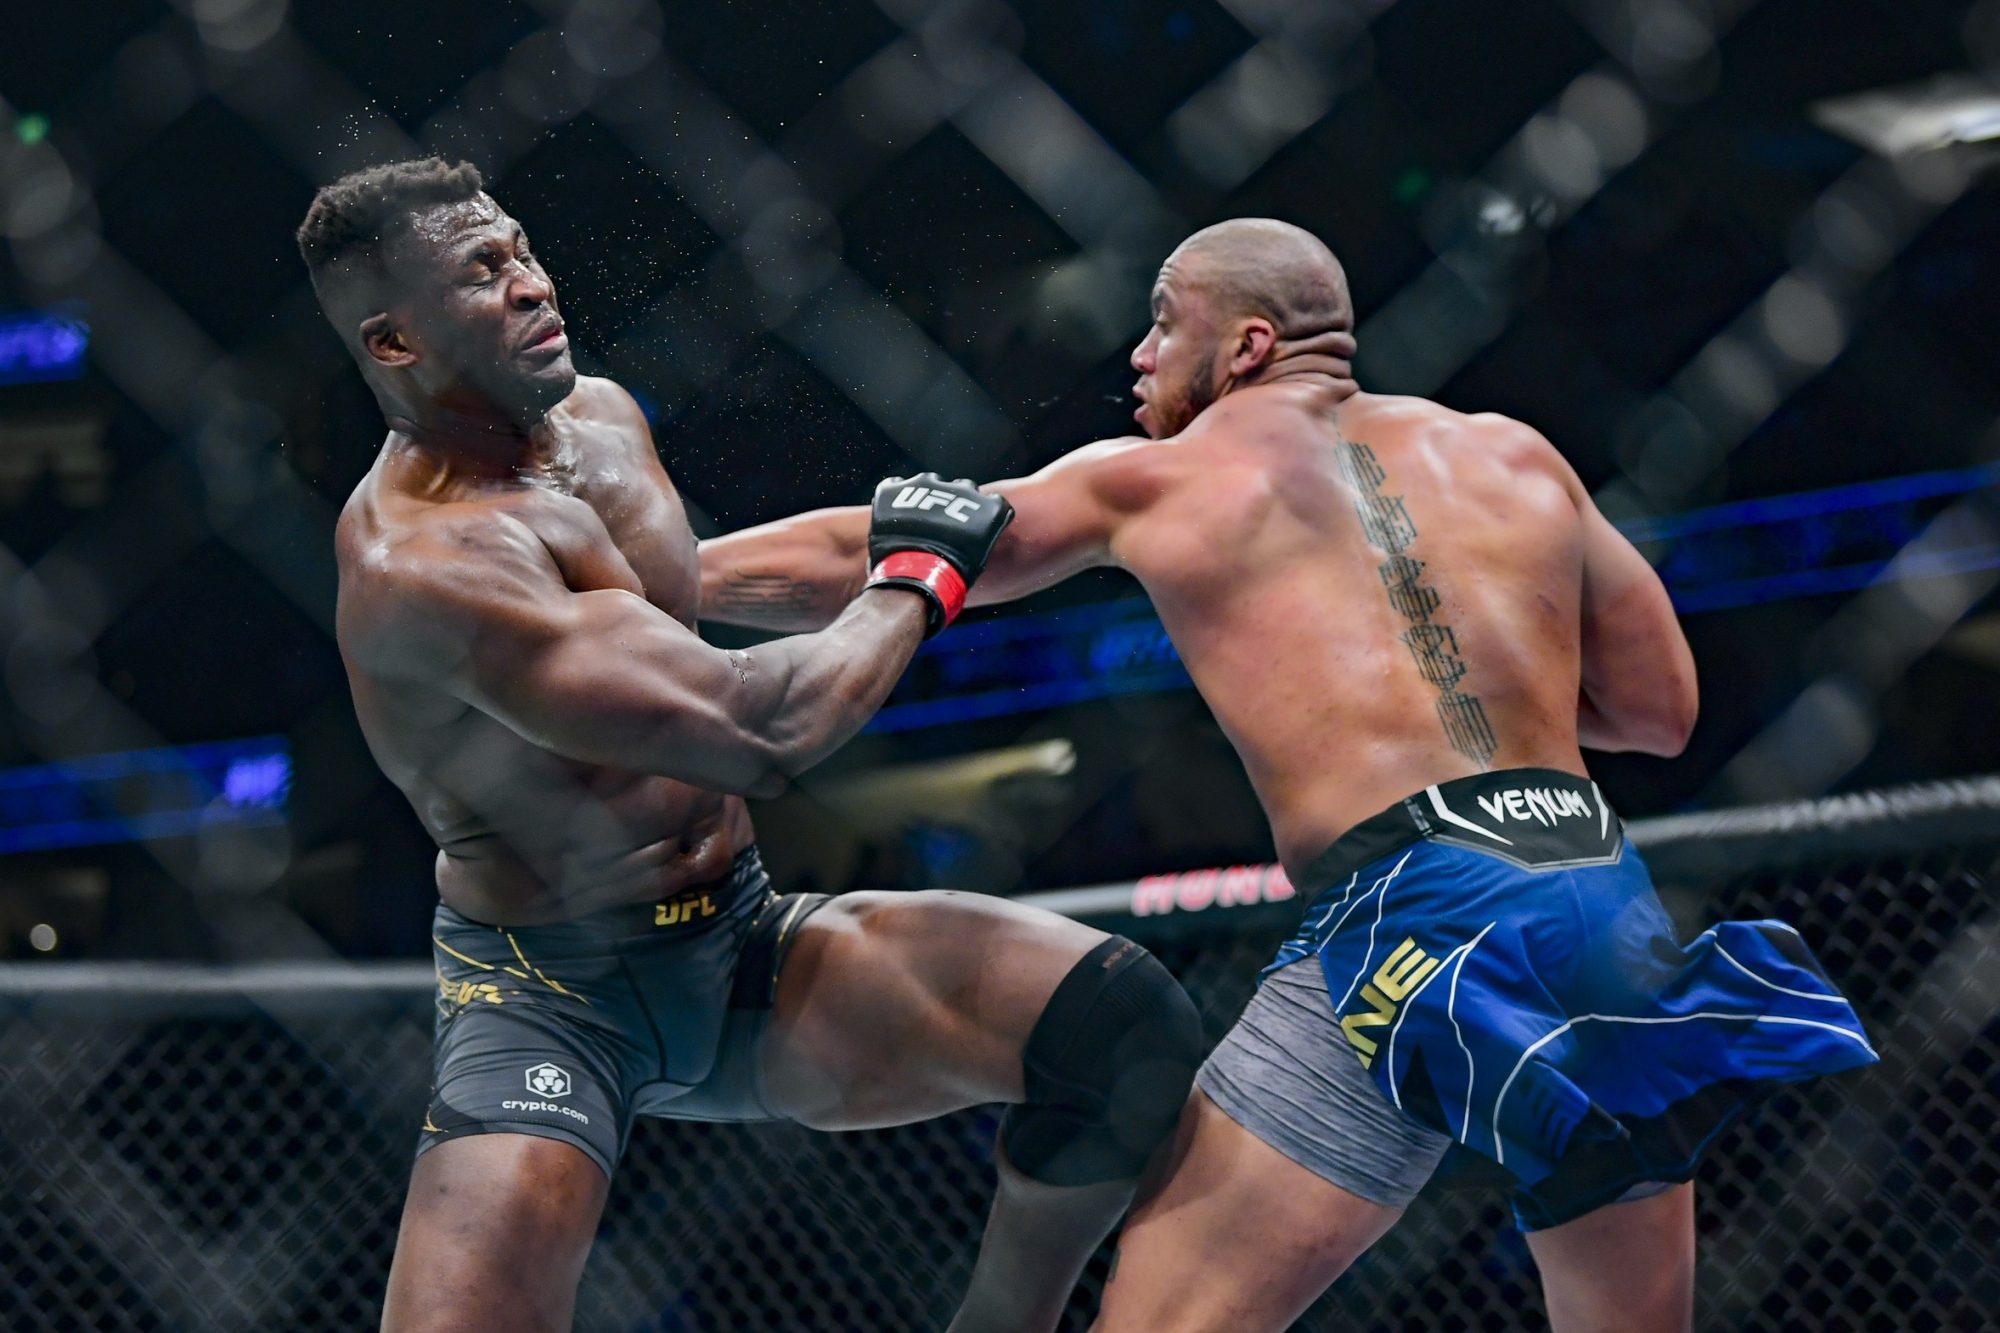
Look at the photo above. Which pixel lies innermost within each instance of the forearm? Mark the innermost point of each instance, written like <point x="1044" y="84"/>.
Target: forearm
<point x="793" y="576"/>
<point x="815" y="691"/>
<point x="1664" y="736"/>
<point x="1595" y="731"/>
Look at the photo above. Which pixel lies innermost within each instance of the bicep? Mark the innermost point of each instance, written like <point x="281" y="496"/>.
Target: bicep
<point x="612" y="680"/>
<point x="1631" y="637"/>
<point x="601" y="677"/>
<point x="1626" y="610"/>
<point x="1637" y="668"/>
<point x="1065" y="518"/>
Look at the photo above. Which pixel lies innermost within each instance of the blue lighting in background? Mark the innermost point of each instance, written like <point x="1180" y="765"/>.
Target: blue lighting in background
<point x="144" y="794"/>
<point x="37" y="346"/>
<point x="1730" y="555"/>
<point x="1806" y="544"/>
<point x="1042" y="660"/>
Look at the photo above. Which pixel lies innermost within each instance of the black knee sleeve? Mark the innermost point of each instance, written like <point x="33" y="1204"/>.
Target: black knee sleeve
<point x="1108" y="1065"/>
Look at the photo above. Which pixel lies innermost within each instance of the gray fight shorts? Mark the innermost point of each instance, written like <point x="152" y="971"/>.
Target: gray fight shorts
<point x="569" y="1031"/>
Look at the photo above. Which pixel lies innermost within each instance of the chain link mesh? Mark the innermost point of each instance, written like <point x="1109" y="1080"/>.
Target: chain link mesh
<point x="195" y="1165"/>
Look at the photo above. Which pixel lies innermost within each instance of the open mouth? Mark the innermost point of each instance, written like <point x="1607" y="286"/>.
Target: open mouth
<point x="551" y="339"/>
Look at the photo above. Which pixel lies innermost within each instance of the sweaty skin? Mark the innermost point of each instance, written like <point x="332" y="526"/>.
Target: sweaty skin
<point x="518" y="590"/>
<point x="518" y="586"/>
<point x="1372" y="593"/>
<point x="526" y="835"/>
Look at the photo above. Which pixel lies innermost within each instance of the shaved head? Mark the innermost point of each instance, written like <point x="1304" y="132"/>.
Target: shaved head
<point x="1245" y="302"/>
<point x="1261" y="266"/>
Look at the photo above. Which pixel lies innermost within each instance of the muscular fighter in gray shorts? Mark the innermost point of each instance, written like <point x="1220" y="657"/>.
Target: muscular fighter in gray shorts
<point x="571" y="1030"/>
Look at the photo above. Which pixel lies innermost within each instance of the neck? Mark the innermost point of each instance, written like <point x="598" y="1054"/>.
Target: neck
<point x="470" y="437"/>
<point x="1324" y="360"/>
<point x="467" y="431"/>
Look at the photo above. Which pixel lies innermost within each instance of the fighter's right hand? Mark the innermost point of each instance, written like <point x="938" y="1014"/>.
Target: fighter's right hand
<point x="933" y="536"/>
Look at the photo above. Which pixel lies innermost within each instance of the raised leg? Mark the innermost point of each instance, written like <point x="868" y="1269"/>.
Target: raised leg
<point x="900" y="1007"/>
<point x="495" y="1231"/>
<point x="1627" y="1267"/>
<point x="1234" y="1238"/>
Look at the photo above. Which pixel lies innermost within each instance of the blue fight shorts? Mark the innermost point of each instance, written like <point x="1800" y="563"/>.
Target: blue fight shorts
<point x="1498" y="963"/>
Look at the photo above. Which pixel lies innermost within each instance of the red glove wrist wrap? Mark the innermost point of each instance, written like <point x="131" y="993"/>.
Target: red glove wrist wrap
<point x="933" y="571"/>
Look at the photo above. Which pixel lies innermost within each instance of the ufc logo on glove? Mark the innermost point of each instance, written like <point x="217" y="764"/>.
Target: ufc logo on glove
<point x="933" y="536"/>
<point x="958" y="507"/>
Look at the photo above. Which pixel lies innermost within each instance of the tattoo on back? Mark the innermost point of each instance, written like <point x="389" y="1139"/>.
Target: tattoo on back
<point x="1386" y="523"/>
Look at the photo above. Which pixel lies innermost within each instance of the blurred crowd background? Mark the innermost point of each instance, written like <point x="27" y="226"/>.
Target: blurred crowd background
<point x="1736" y="257"/>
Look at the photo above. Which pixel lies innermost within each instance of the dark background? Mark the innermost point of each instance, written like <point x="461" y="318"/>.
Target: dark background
<point x="825" y="242"/>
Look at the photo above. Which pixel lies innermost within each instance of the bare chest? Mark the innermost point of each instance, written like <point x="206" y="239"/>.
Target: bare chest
<point x="607" y="529"/>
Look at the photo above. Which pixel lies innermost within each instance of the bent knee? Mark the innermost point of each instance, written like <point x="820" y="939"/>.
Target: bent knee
<point x="1107" y="1069"/>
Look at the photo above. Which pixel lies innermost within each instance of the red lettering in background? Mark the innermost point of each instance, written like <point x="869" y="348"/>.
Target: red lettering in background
<point x="1241" y="886"/>
<point x="1197" y="889"/>
<point x="1153" y="895"/>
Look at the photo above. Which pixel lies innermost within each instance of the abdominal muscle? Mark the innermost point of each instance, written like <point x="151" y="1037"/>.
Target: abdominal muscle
<point x="504" y="884"/>
<point x="553" y="840"/>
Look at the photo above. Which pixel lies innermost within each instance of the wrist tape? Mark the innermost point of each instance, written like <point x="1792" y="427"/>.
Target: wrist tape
<point x="933" y="573"/>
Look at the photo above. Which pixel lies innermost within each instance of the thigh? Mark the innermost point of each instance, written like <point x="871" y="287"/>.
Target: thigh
<point x="894" y="1007"/>
<point x="495" y="1232"/>
<point x="1627" y="1267"/>
<point x="561" y="1074"/>
<point x="1286" y="1074"/>
<point x="1234" y="1238"/>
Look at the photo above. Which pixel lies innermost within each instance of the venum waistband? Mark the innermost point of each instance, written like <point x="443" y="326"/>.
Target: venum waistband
<point x="1536" y="818"/>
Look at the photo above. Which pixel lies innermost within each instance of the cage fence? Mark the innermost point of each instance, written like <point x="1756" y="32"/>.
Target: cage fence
<point x="227" y="1149"/>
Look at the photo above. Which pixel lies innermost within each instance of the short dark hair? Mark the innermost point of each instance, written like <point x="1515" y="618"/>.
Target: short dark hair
<point x="351" y="220"/>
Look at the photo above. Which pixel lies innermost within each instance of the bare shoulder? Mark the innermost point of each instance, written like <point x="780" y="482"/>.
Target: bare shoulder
<point x="1525" y="451"/>
<point x="1514" y="440"/>
<point x="436" y="578"/>
<point x="608" y="405"/>
<point x="1508" y="460"/>
<point x="1423" y="417"/>
<point x="1512" y="446"/>
<point x="602" y="400"/>
<point x="1126" y="473"/>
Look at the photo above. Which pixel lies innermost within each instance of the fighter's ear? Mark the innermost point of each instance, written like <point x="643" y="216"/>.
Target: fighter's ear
<point x="384" y="344"/>
<point x="1256" y="341"/>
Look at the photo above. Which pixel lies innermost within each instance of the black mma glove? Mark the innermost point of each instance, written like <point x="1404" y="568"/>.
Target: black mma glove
<point x="934" y="536"/>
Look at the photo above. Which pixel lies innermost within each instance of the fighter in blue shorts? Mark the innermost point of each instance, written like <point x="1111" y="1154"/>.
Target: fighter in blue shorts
<point x="1409" y="622"/>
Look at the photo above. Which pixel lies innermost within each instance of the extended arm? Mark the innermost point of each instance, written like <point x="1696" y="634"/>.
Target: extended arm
<point x="1638" y="674"/>
<point x="797" y="573"/>
<point x="605" y="677"/>
<point x="793" y="575"/>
